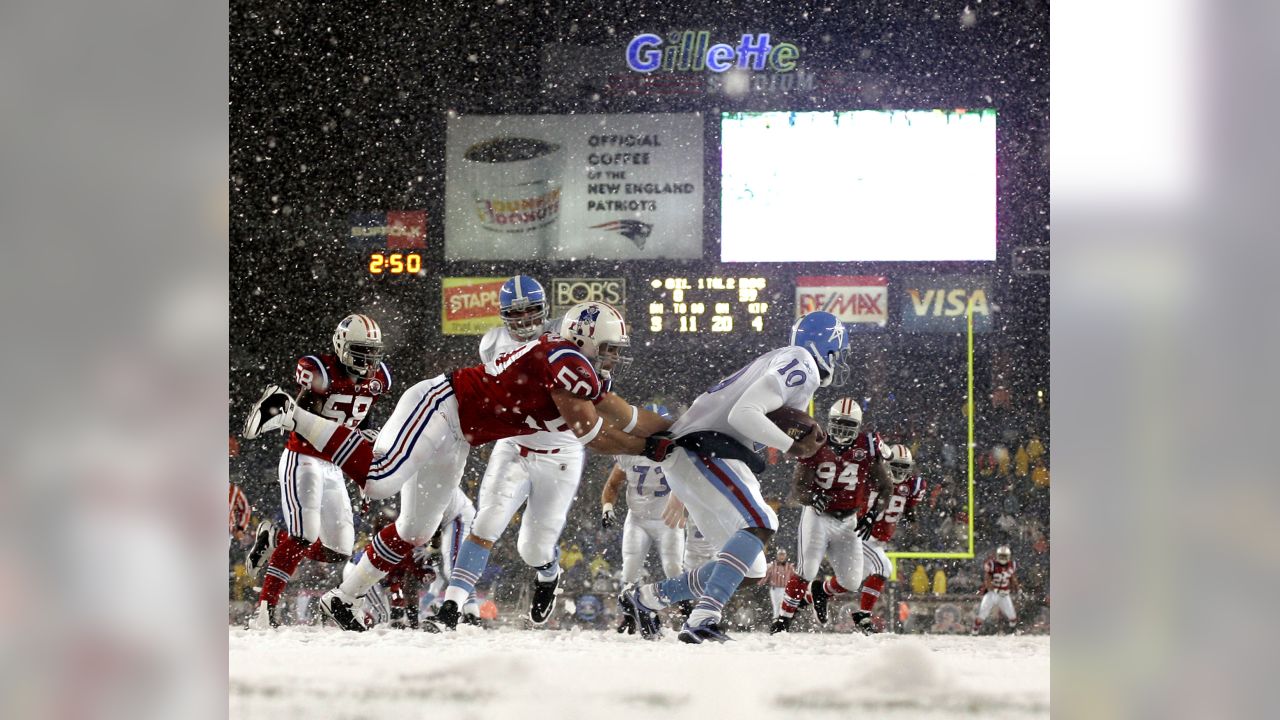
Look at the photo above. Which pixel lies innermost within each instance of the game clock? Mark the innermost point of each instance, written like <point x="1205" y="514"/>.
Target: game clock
<point x="395" y="263"/>
<point x="711" y="304"/>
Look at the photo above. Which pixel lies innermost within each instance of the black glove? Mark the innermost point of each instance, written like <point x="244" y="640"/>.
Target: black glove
<point x="863" y="527"/>
<point x="819" y="501"/>
<point x="607" y="518"/>
<point x="658" y="446"/>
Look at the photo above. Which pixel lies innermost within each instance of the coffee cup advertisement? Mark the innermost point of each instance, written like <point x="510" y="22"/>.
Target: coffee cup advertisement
<point x="562" y="187"/>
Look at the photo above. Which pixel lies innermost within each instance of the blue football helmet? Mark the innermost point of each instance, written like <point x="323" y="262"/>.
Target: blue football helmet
<point x="826" y="339"/>
<point x="522" y="303"/>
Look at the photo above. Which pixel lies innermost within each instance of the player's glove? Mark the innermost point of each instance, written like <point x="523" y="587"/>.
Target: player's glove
<point x="607" y="518"/>
<point x="863" y="527"/>
<point x="819" y="501"/>
<point x="370" y="434"/>
<point x="658" y="446"/>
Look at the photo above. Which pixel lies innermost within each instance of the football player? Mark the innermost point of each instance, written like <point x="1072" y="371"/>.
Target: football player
<point x="998" y="581"/>
<point x="827" y="484"/>
<point x="540" y="471"/>
<point x="554" y="383"/>
<point x="713" y="470"/>
<point x="647" y="491"/>
<point x="426" y="565"/>
<point x="908" y="491"/>
<point x="313" y="492"/>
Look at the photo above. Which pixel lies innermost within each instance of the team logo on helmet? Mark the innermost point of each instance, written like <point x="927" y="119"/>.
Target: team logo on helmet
<point x="589" y="315"/>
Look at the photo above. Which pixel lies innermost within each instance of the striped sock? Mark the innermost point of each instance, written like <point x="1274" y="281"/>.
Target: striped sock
<point x="796" y="589"/>
<point x="871" y="588"/>
<point x="685" y="586"/>
<point x="284" y="560"/>
<point x="833" y="587"/>
<point x="472" y="559"/>
<point x="388" y="549"/>
<point x="730" y="567"/>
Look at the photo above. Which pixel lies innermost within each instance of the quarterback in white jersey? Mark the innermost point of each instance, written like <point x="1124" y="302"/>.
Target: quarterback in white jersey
<point x="712" y="467"/>
<point x="542" y="470"/>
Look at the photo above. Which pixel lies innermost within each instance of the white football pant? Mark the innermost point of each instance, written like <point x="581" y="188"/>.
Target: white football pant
<point x="994" y="599"/>
<point x="837" y="540"/>
<point x="722" y="496"/>
<point x="315" y="503"/>
<point x="547" y="481"/>
<point x="638" y="535"/>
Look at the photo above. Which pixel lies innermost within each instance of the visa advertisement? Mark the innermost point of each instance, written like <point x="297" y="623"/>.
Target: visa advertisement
<point x="941" y="304"/>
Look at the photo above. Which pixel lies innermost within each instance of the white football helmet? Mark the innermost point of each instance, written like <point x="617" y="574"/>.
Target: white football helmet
<point x="900" y="462"/>
<point x="844" y="420"/>
<point x="1003" y="554"/>
<point x="599" y="330"/>
<point x="358" y="344"/>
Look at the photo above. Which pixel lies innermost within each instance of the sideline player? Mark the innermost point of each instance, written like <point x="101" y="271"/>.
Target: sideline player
<point x="313" y="492"/>
<point x="998" y="580"/>
<point x="908" y="491"/>
<point x="719" y="487"/>
<point x="549" y="383"/>
<point x="647" y="492"/>
<point x="540" y="471"/>
<point x="827" y="484"/>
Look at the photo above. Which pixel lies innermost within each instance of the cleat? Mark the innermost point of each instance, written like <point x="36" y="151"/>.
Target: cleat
<point x="782" y="623"/>
<point x="264" y="543"/>
<point x="446" y="618"/>
<point x="335" y="604"/>
<point x="686" y="609"/>
<point x="544" y="600"/>
<point x="469" y="619"/>
<point x="706" y="630"/>
<point x="263" y="618"/>
<point x="430" y="627"/>
<point x="862" y="620"/>
<point x="642" y="618"/>
<point x="273" y="411"/>
<point x="628" y="625"/>
<point x="819" y="600"/>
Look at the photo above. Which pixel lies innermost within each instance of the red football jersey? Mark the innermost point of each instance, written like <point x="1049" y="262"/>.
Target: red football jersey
<point x="838" y="476"/>
<point x="1001" y="573"/>
<point x="511" y="395"/>
<point x="906" y="494"/>
<point x="344" y="399"/>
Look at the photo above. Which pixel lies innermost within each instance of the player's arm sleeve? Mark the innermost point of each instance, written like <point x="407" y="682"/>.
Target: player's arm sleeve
<point x="489" y="346"/>
<point x="747" y="416"/>
<point x="311" y="375"/>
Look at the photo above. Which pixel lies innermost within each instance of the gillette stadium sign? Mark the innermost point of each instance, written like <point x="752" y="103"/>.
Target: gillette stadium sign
<point x="692" y="51"/>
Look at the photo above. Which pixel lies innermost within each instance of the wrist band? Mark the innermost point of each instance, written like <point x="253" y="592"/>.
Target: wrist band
<point x="635" y="418"/>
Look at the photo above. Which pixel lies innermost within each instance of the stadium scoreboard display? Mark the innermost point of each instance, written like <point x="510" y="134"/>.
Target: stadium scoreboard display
<point x="706" y="304"/>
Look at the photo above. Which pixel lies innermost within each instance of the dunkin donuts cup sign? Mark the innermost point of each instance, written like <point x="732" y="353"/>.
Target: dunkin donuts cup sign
<point x="470" y="305"/>
<point x="515" y="183"/>
<point x="570" y="187"/>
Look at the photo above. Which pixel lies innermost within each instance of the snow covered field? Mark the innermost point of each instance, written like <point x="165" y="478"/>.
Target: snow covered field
<point x="316" y="673"/>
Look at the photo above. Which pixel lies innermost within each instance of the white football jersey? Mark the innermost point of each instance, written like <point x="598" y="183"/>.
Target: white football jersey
<point x="497" y="341"/>
<point x="792" y="367"/>
<point x="647" y="487"/>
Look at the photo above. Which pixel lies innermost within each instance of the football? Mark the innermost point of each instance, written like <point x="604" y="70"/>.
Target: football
<point x="795" y="423"/>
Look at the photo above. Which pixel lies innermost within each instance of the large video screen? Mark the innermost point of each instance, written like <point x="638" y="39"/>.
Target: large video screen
<point x="859" y="185"/>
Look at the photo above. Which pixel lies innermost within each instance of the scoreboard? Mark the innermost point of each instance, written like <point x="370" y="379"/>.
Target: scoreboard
<point x="706" y="304"/>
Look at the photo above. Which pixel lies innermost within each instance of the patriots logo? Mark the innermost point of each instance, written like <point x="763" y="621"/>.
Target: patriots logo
<point x="589" y="315"/>
<point x="633" y="230"/>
